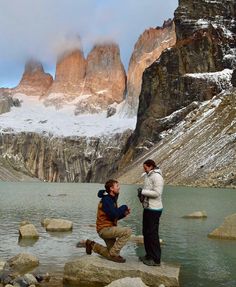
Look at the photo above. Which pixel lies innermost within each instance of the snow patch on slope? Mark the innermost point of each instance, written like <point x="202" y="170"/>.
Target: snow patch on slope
<point x="33" y="116"/>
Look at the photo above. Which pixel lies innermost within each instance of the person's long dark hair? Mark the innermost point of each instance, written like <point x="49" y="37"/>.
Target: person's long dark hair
<point x="150" y="163"/>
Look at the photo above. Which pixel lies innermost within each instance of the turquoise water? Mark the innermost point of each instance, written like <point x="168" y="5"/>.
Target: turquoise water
<point x="204" y="262"/>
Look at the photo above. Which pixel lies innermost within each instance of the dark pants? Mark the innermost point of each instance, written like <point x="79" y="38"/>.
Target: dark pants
<point x="151" y="234"/>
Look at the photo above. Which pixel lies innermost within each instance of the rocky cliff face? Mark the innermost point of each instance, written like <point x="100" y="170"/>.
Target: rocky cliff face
<point x="197" y="68"/>
<point x="191" y="16"/>
<point x="69" y="79"/>
<point x="34" y="82"/>
<point x="89" y="85"/>
<point x="147" y="49"/>
<point x="105" y="80"/>
<point x="69" y="159"/>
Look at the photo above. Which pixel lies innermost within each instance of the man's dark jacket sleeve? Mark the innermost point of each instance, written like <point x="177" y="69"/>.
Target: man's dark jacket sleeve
<point x="113" y="212"/>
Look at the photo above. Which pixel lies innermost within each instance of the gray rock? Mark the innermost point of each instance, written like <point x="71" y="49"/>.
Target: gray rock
<point x="227" y="230"/>
<point x="23" y="262"/>
<point x="5" y="277"/>
<point x="233" y="80"/>
<point x="84" y="270"/>
<point x="42" y="276"/>
<point x="30" y="279"/>
<point x="111" y="110"/>
<point x="2" y="264"/>
<point x="196" y="214"/>
<point x="20" y="281"/>
<point x="127" y="282"/>
<point x="28" y="231"/>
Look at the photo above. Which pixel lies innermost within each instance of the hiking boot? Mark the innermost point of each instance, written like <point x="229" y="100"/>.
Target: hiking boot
<point x="118" y="259"/>
<point x="89" y="246"/>
<point x="81" y="244"/>
<point x="151" y="262"/>
<point x="146" y="257"/>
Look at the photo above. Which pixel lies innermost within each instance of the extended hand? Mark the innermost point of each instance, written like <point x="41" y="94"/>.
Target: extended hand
<point x="127" y="211"/>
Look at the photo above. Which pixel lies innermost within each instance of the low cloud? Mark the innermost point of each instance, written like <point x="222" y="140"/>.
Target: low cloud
<point x="43" y="29"/>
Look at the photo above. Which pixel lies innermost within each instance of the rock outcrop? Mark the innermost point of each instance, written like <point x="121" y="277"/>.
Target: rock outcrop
<point x="69" y="79"/>
<point x="84" y="270"/>
<point x="147" y="49"/>
<point x="6" y="101"/>
<point x="196" y="68"/>
<point x="91" y="84"/>
<point x="105" y="81"/>
<point x="213" y="12"/>
<point x="227" y="230"/>
<point x="34" y="82"/>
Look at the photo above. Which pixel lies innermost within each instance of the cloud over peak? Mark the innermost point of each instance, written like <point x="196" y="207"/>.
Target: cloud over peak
<point x="43" y="29"/>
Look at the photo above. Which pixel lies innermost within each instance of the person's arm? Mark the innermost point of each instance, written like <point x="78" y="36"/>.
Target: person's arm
<point x="112" y="211"/>
<point x="156" y="191"/>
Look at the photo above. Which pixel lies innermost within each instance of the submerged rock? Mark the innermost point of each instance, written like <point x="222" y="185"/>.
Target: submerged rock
<point x="138" y="239"/>
<point x="227" y="230"/>
<point x="84" y="270"/>
<point x="196" y="214"/>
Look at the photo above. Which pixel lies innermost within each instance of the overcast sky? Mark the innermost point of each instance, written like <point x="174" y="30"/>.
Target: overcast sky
<point x="44" y="28"/>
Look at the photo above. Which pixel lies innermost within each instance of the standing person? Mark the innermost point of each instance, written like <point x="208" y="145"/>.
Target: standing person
<point x="108" y="213"/>
<point x="150" y="196"/>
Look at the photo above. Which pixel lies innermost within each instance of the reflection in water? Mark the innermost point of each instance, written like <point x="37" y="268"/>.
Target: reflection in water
<point x="204" y="261"/>
<point x="26" y="242"/>
<point x="58" y="234"/>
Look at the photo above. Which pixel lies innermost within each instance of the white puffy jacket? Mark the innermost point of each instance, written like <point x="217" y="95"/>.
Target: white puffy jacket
<point x="152" y="189"/>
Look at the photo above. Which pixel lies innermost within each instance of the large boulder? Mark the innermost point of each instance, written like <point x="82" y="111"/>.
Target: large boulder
<point x="227" y="230"/>
<point x="127" y="282"/>
<point x="23" y="262"/>
<point x="58" y="225"/>
<point x="84" y="270"/>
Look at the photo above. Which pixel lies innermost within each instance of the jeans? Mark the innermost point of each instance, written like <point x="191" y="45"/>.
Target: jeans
<point x="151" y="234"/>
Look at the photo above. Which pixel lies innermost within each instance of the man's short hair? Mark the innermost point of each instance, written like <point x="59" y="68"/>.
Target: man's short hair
<point x="109" y="184"/>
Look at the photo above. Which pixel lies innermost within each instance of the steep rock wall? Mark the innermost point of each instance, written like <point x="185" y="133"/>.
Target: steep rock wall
<point x="171" y="82"/>
<point x="147" y="49"/>
<point x="72" y="159"/>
